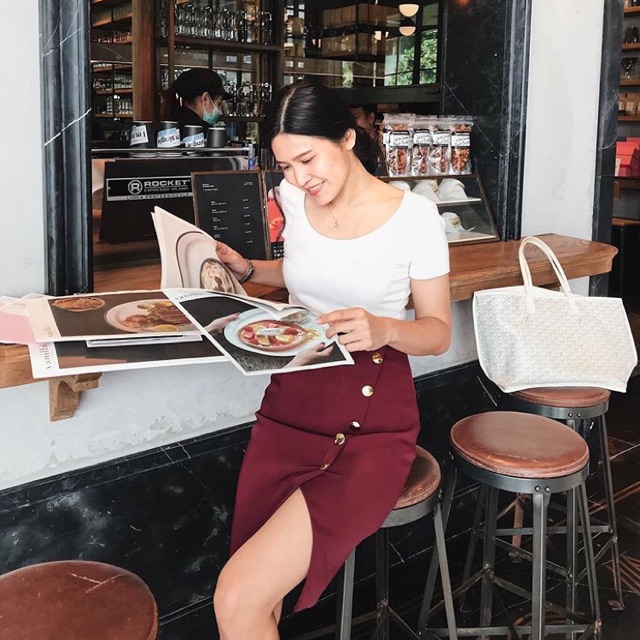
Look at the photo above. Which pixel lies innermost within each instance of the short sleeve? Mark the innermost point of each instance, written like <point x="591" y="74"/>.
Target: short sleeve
<point x="429" y="250"/>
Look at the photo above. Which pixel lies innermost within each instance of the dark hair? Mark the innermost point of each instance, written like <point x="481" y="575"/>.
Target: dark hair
<point x="308" y="108"/>
<point x="367" y="108"/>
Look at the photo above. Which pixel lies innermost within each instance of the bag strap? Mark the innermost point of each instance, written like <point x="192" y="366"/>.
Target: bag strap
<point x="555" y="263"/>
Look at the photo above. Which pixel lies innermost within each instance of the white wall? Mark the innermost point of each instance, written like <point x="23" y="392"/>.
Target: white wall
<point x="137" y="410"/>
<point x="21" y="220"/>
<point x="562" y="117"/>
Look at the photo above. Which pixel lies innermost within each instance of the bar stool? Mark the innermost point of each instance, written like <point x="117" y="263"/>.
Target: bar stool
<point x="420" y="497"/>
<point x="579" y="408"/>
<point x="76" y="600"/>
<point x="529" y="454"/>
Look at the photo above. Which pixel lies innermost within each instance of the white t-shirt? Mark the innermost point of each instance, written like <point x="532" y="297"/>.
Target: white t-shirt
<point x="372" y="271"/>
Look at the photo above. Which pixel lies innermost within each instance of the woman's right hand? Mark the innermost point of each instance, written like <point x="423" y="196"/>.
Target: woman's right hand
<point x="232" y="259"/>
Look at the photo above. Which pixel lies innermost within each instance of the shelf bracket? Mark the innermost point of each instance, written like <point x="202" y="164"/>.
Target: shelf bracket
<point x="64" y="394"/>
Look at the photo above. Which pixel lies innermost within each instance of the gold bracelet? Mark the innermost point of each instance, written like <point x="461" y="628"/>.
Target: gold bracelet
<point x="248" y="273"/>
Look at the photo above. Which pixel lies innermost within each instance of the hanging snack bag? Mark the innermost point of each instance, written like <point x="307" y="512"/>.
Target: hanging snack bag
<point x="461" y="146"/>
<point x="396" y="138"/>
<point x="439" y="155"/>
<point x="421" y="145"/>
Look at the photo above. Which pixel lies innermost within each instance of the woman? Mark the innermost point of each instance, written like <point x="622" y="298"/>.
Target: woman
<point x="316" y="478"/>
<point x="201" y="94"/>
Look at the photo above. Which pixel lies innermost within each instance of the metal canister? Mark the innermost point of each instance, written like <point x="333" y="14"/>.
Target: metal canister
<point x="141" y="136"/>
<point x="193" y="138"/>
<point x="217" y="136"/>
<point x="168" y="137"/>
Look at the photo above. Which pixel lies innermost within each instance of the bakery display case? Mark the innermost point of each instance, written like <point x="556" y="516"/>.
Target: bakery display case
<point x="462" y="204"/>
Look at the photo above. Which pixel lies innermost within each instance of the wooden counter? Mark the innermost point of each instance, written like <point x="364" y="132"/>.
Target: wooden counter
<point x="495" y="264"/>
<point x="473" y="268"/>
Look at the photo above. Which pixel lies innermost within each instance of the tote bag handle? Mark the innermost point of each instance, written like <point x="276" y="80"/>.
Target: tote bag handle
<point x="555" y="263"/>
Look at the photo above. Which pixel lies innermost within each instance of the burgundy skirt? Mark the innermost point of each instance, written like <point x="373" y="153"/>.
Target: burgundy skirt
<point x="346" y="437"/>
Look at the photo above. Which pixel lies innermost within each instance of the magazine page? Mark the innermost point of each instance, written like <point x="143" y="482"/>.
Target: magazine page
<point x="255" y="340"/>
<point x="15" y="326"/>
<point x="106" y="315"/>
<point x="50" y="359"/>
<point x="188" y="256"/>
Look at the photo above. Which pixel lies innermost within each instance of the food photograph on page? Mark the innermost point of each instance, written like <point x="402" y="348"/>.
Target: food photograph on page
<point x="258" y="342"/>
<point x="134" y="313"/>
<point x="189" y="258"/>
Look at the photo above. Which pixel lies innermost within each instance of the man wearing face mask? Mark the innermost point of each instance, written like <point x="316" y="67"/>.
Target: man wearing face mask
<point x="200" y="93"/>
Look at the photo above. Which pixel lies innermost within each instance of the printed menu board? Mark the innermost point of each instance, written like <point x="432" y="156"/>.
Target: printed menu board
<point x="229" y="207"/>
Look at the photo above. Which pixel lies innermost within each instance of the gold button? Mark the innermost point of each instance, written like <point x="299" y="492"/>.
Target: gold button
<point x="339" y="439"/>
<point x="367" y="391"/>
<point x="377" y="358"/>
<point x="324" y="466"/>
<point x="354" y="426"/>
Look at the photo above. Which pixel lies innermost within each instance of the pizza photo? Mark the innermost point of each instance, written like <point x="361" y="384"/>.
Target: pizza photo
<point x="272" y="335"/>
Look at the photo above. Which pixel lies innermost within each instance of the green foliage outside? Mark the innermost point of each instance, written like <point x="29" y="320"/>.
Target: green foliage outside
<point x="428" y="62"/>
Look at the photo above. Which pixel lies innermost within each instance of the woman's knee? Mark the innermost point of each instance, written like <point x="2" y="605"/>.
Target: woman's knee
<point x="234" y="597"/>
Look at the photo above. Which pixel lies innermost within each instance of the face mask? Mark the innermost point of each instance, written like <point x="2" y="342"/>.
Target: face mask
<point x="211" y="117"/>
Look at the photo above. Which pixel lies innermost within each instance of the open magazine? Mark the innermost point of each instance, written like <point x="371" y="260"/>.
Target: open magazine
<point x="259" y="336"/>
<point x="203" y="315"/>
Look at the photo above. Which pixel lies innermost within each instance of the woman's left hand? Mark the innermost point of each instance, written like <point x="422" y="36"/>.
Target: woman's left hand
<point x="356" y="329"/>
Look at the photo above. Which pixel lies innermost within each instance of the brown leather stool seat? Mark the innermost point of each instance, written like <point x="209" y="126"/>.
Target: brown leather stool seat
<point x="576" y="397"/>
<point x="537" y="456"/>
<point x="423" y="481"/>
<point x="76" y="600"/>
<point x="420" y="496"/>
<point x="583" y="409"/>
<point x="519" y="445"/>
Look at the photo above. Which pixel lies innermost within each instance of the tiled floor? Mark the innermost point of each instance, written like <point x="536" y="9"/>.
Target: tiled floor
<point x="623" y="421"/>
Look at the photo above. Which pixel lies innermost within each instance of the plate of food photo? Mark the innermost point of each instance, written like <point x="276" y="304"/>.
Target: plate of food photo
<point x="143" y="316"/>
<point x="78" y="304"/>
<point x="258" y="332"/>
<point x="199" y="266"/>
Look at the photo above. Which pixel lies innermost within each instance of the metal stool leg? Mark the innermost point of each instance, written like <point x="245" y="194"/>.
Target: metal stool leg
<point x="616" y="605"/>
<point x="540" y="505"/>
<point x="583" y="508"/>
<point x="488" y="557"/>
<point x="432" y="573"/>
<point x="345" y="600"/>
<point x="444" y="572"/>
<point x="475" y="534"/>
<point x="572" y="554"/>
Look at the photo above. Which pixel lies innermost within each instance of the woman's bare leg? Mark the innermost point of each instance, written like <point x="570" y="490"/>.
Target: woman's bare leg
<point x="251" y="586"/>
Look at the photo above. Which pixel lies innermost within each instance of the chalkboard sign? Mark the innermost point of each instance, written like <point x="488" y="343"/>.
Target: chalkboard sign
<point x="229" y="206"/>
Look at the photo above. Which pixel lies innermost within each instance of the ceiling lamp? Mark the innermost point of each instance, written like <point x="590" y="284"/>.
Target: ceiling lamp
<point x="408" y="10"/>
<point x="407" y="27"/>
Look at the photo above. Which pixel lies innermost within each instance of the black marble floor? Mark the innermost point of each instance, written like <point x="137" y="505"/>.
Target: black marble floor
<point x="623" y="421"/>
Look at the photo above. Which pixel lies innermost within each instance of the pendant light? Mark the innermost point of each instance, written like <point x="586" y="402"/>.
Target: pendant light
<point x="407" y="27"/>
<point x="408" y="10"/>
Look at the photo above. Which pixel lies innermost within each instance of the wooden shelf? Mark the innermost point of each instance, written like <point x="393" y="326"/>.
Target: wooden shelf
<point x="112" y="67"/>
<point x="629" y="118"/>
<point x="227" y="45"/>
<point x="629" y="82"/>
<point x="631" y="10"/>
<point x="631" y="46"/>
<point x="115" y="116"/>
<point x="106" y="21"/>
<point x="628" y="183"/>
<point x="110" y="92"/>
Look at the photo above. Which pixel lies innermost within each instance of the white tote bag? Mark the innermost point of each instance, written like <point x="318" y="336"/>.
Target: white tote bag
<point x="532" y="337"/>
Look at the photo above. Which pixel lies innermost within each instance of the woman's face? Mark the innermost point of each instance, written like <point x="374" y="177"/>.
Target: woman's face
<point x="318" y="166"/>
